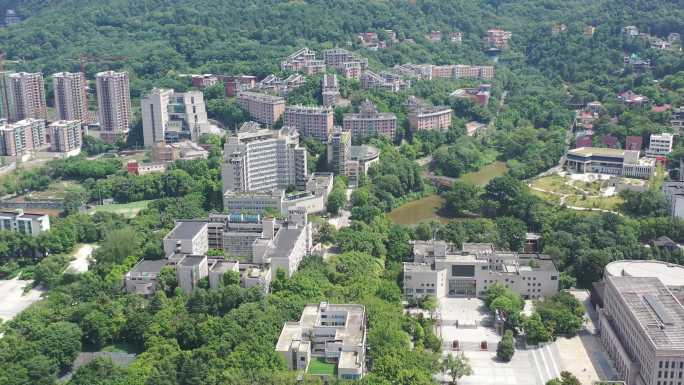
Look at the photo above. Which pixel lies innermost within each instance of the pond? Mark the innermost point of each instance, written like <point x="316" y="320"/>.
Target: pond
<point x="485" y="174"/>
<point x="428" y="209"/>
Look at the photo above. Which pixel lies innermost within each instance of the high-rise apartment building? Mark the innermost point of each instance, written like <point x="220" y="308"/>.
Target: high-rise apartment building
<point x="311" y="122"/>
<point x="71" y="102"/>
<point x="114" y="104"/>
<point x="263" y="108"/>
<point x="25" y="94"/>
<point x="65" y="136"/>
<point x="370" y="122"/>
<point x="257" y="159"/>
<point x="330" y="90"/>
<point x="22" y="137"/>
<point x="170" y="116"/>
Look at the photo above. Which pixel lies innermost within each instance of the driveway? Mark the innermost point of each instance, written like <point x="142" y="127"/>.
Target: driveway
<point x="80" y="262"/>
<point x="13" y="300"/>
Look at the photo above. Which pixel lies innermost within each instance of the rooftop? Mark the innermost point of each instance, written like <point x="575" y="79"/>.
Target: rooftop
<point x="597" y="151"/>
<point x="186" y="230"/>
<point x="364" y="152"/>
<point x="149" y="266"/>
<point x="285" y="241"/>
<point x="669" y="274"/>
<point x="655" y="308"/>
<point x="192" y="260"/>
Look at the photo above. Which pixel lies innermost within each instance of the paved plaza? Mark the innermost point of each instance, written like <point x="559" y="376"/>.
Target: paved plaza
<point x="13" y="299"/>
<point x="582" y="355"/>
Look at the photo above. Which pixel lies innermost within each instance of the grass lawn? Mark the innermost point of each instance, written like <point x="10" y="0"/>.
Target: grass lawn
<point x="485" y="174"/>
<point x="606" y="203"/>
<point x="553" y="183"/>
<point x="128" y="210"/>
<point x="319" y="367"/>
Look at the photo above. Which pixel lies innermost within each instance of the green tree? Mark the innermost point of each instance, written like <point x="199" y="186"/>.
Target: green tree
<point x="506" y="347"/>
<point x="456" y="367"/>
<point x="463" y="198"/>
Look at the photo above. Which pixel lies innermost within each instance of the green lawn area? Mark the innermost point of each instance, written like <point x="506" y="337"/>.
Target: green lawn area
<point x="128" y="210"/>
<point x="319" y="367"/>
<point x="605" y="203"/>
<point x="485" y="174"/>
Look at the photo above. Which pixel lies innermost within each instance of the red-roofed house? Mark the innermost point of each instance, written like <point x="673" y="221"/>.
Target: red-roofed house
<point x="583" y="141"/>
<point x="610" y="141"/>
<point x="634" y="143"/>
<point x="663" y="108"/>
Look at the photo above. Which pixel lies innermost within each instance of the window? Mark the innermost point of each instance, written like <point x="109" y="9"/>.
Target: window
<point x="302" y="359"/>
<point x="554" y="277"/>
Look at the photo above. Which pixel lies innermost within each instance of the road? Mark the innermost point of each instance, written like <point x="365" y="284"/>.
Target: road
<point x="13" y="299"/>
<point x="80" y="262"/>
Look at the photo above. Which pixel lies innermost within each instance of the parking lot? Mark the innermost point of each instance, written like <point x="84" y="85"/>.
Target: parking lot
<point x="467" y="320"/>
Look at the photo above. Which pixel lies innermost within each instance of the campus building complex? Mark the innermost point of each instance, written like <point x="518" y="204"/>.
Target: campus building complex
<point x="21" y="138"/>
<point x="350" y="161"/>
<point x="329" y="332"/>
<point x="114" y="104"/>
<point x="257" y="159"/>
<point x="609" y="161"/>
<point x="304" y="61"/>
<point x="423" y="116"/>
<point x="265" y="109"/>
<point x="385" y="81"/>
<point x="71" y="99"/>
<point x="256" y="248"/>
<point x="641" y="320"/>
<point x="169" y="116"/>
<point x="25" y="96"/>
<point x="441" y="270"/>
<point x="27" y="223"/>
<point x="311" y="122"/>
<point x="369" y="122"/>
<point x="65" y="137"/>
<point x="348" y="63"/>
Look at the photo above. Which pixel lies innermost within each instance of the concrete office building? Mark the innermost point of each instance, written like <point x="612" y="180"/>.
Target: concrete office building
<point x="660" y="145"/>
<point x="190" y="269"/>
<point x="350" y="161"/>
<point x="114" y="105"/>
<point x="440" y="270"/>
<point x="27" y="223"/>
<point x="641" y="321"/>
<point x="71" y="99"/>
<point x="369" y="122"/>
<point x="311" y="121"/>
<point x="66" y="137"/>
<point x="169" y="116"/>
<point x="304" y="60"/>
<point x="330" y="90"/>
<point x="187" y="237"/>
<point x="22" y="138"/>
<point x="609" y="161"/>
<point x="335" y="333"/>
<point x="25" y="96"/>
<point x="265" y="109"/>
<point x="312" y="198"/>
<point x="257" y="159"/>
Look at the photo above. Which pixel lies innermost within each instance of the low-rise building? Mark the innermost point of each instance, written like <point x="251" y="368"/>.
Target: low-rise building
<point x="137" y="168"/>
<point x="190" y="269"/>
<point x="475" y="128"/>
<point x="456" y="37"/>
<point x="142" y="279"/>
<point x="369" y="122"/>
<point x="677" y="120"/>
<point x="27" y="223"/>
<point x="674" y="195"/>
<point x="660" y="145"/>
<point x="65" y="137"/>
<point x="331" y="332"/>
<point x="440" y="270"/>
<point x="634" y="143"/>
<point x="265" y="109"/>
<point x="385" y="81"/>
<point x="237" y="84"/>
<point x="479" y="95"/>
<point x="203" y="81"/>
<point x="633" y="100"/>
<point x="609" y="161"/>
<point x="310" y="121"/>
<point x="187" y="237"/>
<point x="330" y="90"/>
<point x="304" y="60"/>
<point x="183" y="150"/>
<point x="498" y="38"/>
<point x="273" y="84"/>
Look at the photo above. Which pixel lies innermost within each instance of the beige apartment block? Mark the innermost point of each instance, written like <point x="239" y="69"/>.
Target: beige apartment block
<point x="25" y="96"/>
<point x="263" y="108"/>
<point x="311" y="121"/>
<point x="71" y="102"/>
<point x="369" y="122"/>
<point x="65" y="136"/>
